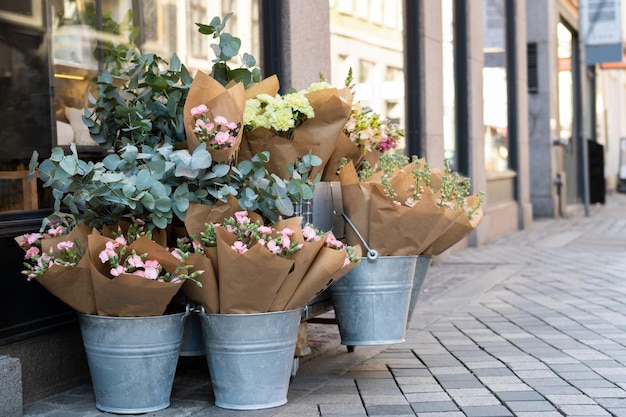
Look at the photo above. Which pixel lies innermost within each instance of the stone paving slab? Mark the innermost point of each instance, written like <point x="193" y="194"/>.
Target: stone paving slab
<point x="530" y="325"/>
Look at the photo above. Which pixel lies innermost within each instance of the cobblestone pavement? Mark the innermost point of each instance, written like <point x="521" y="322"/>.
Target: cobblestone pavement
<point x="531" y="325"/>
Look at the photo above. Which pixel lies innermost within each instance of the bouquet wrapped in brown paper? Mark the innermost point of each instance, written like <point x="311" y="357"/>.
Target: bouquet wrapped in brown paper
<point x="366" y="135"/>
<point x="262" y="268"/>
<point x="213" y="115"/>
<point x="56" y="259"/>
<point x="397" y="212"/>
<point x="292" y="125"/>
<point x="469" y="205"/>
<point x="137" y="279"/>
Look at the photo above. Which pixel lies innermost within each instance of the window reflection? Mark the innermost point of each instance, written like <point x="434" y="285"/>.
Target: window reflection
<point x="83" y="39"/>
<point x="25" y="119"/>
<point x="449" y="93"/>
<point x="565" y="81"/>
<point x="367" y="37"/>
<point x="495" y="103"/>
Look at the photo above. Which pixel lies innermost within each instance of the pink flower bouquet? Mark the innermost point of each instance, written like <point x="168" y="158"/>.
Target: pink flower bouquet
<point x="138" y="279"/>
<point x="268" y="268"/>
<point x="55" y="258"/>
<point x="213" y="115"/>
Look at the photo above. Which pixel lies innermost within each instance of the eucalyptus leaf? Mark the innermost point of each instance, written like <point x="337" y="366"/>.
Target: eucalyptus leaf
<point x="144" y="180"/>
<point x="111" y="161"/>
<point x="148" y="201"/>
<point x="69" y="165"/>
<point x="285" y="206"/>
<point x="163" y="204"/>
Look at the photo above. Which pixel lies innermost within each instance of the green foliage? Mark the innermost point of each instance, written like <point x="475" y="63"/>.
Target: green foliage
<point x="139" y="103"/>
<point x="157" y="184"/>
<point x="148" y="173"/>
<point x="226" y="48"/>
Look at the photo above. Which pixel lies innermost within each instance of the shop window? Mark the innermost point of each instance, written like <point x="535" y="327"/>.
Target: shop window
<point x="244" y="23"/>
<point x="83" y="37"/>
<point x="373" y="47"/>
<point x="449" y="85"/>
<point x="495" y="90"/>
<point x="25" y="119"/>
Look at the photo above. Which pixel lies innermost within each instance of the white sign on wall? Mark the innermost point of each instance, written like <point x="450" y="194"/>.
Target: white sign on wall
<point x="602" y="23"/>
<point x="601" y="28"/>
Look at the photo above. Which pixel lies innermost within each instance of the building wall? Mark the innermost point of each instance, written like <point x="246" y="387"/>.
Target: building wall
<point x="542" y="108"/>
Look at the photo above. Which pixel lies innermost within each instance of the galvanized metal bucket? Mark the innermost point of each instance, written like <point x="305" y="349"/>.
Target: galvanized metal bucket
<point x="132" y="360"/>
<point x="421" y="269"/>
<point x="372" y="300"/>
<point x="250" y="357"/>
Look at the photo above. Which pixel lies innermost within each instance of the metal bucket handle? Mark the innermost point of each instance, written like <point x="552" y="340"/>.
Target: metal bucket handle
<point x="190" y="308"/>
<point x="372" y="254"/>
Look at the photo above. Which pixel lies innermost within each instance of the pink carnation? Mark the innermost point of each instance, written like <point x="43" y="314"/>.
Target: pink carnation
<point x="31" y="238"/>
<point x="198" y="110"/>
<point x="33" y="251"/>
<point x="239" y="247"/>
<point x="310" y="234"/>
<point x="152" y="269"/>
<point x="117" y="271"/>
<point x="265" y="230"/>
<point x="220" y="120"/>
<point x="135" y="261"/>
<point x="67" y="244"/>
<point x="273" y="246"/>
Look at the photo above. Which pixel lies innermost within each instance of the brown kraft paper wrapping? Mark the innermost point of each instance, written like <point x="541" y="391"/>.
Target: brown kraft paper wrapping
<point x="303" y="259"/>
<point x="327" y="268"/>
<point x="158" y="235"/>
<point x="356" y="204"/>
<point x="207" y="296"/>
<point x="221" y="101"/>
<point x="73" y="286"/>
<point x="461" y="227"/>
<point x="200" y="214"/>
<point x="331" y="114"/>
<point x="247" y="282"/>
<point x="397" y="230"/>
<point x="282" y="151"/>
<point x="130" y="295"/>
<point x="344" y="148"/>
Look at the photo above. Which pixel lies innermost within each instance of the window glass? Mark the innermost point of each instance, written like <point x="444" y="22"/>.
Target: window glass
<point x="82" y="40"/>
<point x="26" y="108"/>
<point x="244" y="24"/>
<point x="373" y="49"/>
<point x="449" y="93"/>
<point x="565" y="84"/>
<point x="495" y="103"/>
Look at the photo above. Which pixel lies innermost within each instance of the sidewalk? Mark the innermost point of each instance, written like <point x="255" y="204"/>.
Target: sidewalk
<point x="531" y="325"/>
